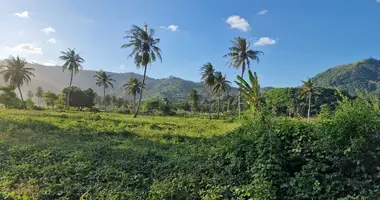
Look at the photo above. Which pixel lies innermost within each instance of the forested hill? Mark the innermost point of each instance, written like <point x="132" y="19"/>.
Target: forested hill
<point x="363" y="75"/>
<point x="51" y="78"/>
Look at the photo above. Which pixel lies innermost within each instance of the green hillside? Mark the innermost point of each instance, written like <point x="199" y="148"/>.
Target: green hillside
<point x="363" y="75"/>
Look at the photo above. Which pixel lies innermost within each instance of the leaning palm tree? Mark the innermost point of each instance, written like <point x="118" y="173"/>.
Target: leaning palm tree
<point x="250" y="92"/>
<point x="39" y="94"/>
<point x="222" y="85"/>
<point x="102" y="79"/>
<point x="16" y="73"/>
<point x="133" y="87"/>
<point x="240" y="57"/>
<point x="73" y="63"/>
<point x="308" y="90"/>
<point x="208" y="79"/>
<point x="144" y="50"/>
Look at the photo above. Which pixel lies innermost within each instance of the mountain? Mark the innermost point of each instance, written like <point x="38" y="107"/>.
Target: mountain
<point x="51" y="78"/>
<point x="361" y="75"/>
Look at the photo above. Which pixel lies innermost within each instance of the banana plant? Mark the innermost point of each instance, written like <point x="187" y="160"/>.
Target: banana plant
<point x="250" y="92"/>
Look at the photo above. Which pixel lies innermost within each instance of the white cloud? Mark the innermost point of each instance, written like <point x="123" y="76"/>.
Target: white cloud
<point x="237" y="22"/>
<point x="122" y="67"/>
<point x="50" y="63"/>
<point x="51" y="41"/>
<point x="48" y="30"/>
<point x="24" y="14"/>
<point x="265" y="41"/>
<point x="377" y="1"/>
<point x="263" y="12"/>
<point x="30" y="48"/>
<point x="172" y="28"/>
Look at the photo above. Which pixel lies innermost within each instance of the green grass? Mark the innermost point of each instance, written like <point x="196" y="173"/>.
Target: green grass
<point x="49" y="155"/>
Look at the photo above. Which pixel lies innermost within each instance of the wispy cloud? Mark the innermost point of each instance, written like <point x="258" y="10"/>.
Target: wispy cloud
<point x="48" y="30"/>
<point x="30" y="48"/>
<point x="51" y="41"/>
<point x="265" y="41"/>
<point x="172" y="28"/>
<point x="263" y="12"/>
<point x="238" y="23"/>
<point x="86" y="20"/>
<point x="377" y="1"/>
<point x="24" y="14"/>
<point x="50" y="63"/>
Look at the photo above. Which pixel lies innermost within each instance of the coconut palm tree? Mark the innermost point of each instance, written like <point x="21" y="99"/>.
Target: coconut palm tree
<point x="133" y="87"/>
<point x="102" y="79"/>
<point x="222" y="85"/>
<point x="39" y="94"/>
<point x="16" y="73"/>
<point x="307" y="90"/>
<point x="144" y="50"/>
<point x="72" y="62"/>
<point x="240" y="56"/>
<point x="208" y="79"/>
<point x="194" y="99"/>
<point x="250" y="93"/>
<point x="30" y="95"/>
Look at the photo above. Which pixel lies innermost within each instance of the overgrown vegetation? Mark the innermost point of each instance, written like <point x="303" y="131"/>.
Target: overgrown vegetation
<point x="48" y="155"/>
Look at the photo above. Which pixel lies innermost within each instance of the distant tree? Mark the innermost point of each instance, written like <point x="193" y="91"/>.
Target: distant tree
<point x="102" y="79"/>
<point x="120" y="102"/>
<point x="80" y="99"/>
<point x="16" y="73"/>
<point x="30" y="94"/>
<point x="39" y="95"/>
<point x="222" y="85"/>
<point x="240" y="57"/>
<point x="114" y="101"/>
<point x="250" y="93"/>
<point x="8" y="97"/>
<point x="29" y="104"/>
<point x="208" y="79"/>
<point x="194" y="99"/>
<point x="307" y="91"/>
<point x="73" y="63"/>
<point x="144" y="50"/>
<point x="133" y="87"/>
<point x="50" y="99"/>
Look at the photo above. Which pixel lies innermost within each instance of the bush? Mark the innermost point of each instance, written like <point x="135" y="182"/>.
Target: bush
<point x="94" y="110"/>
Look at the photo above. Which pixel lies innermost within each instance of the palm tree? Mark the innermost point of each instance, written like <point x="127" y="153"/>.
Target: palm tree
<point x="133" y="87"/>
<point x="194" y="99"/>
<point x="308" y="90"/>
<point x="240" y="57"/>
<point x="73" y="63"/>
<point x="222" y="85"/>
<point x="16" y="73"/>
<point x="208" y="79"/>
<point x="144" y="50"/>
<point x="250" y="93"/>
<point x="102" y="79"/>
<point x="39" y="94"/>
<point x="30" y="95"/>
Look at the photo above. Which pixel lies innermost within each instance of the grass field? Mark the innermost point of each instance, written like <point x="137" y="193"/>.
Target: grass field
<point x="49" y="155"/>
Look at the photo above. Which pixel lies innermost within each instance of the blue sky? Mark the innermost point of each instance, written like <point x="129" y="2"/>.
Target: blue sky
<point x="300" y="38"/>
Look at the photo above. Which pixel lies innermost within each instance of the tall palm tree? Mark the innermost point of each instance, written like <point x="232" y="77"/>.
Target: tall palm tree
<point x="144" y="50"/>
<point x="250" y="93"/>
<point x="16" y="73"/>
<point x="39" y="94"/>
<point x="102" y="79"/>
<point x="240" y="56"/>
<point x="222" y="85"/>
<point x="208" y="79"/>
<point x="307" y="90"/>
<point x="133" y="87"/>
<point x="194" y="99"/>
<point x="72" y="62"/>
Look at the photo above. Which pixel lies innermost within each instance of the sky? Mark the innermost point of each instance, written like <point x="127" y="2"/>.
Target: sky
<point x="299" y="38"/>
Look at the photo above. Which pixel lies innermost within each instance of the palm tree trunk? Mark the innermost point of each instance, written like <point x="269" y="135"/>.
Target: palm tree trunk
<point x="242" y="74"/>
<point x="209" y="111"/>
<point x="22" y="99"/>
<point x="308" y="110"/>
<point x="68" y="90"/>
<point x="104" y="97"/>
<point x="218" y="105"/>
<point x="134" y="103"/>
<point x="143" y="83"/>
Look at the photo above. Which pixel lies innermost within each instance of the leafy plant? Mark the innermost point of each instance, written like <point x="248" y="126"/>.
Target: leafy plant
<point x="250" y="93"/>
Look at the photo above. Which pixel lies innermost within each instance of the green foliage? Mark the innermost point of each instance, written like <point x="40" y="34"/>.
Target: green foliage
<point x="8" y="97"/>
<point x="111" y="156"/>
<point x="29" y="104"/>
<point x="250" y="93"/>
<point x="194" y="100"/>
<point x="51" y="99"/>
<point x="80" y="99"/>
